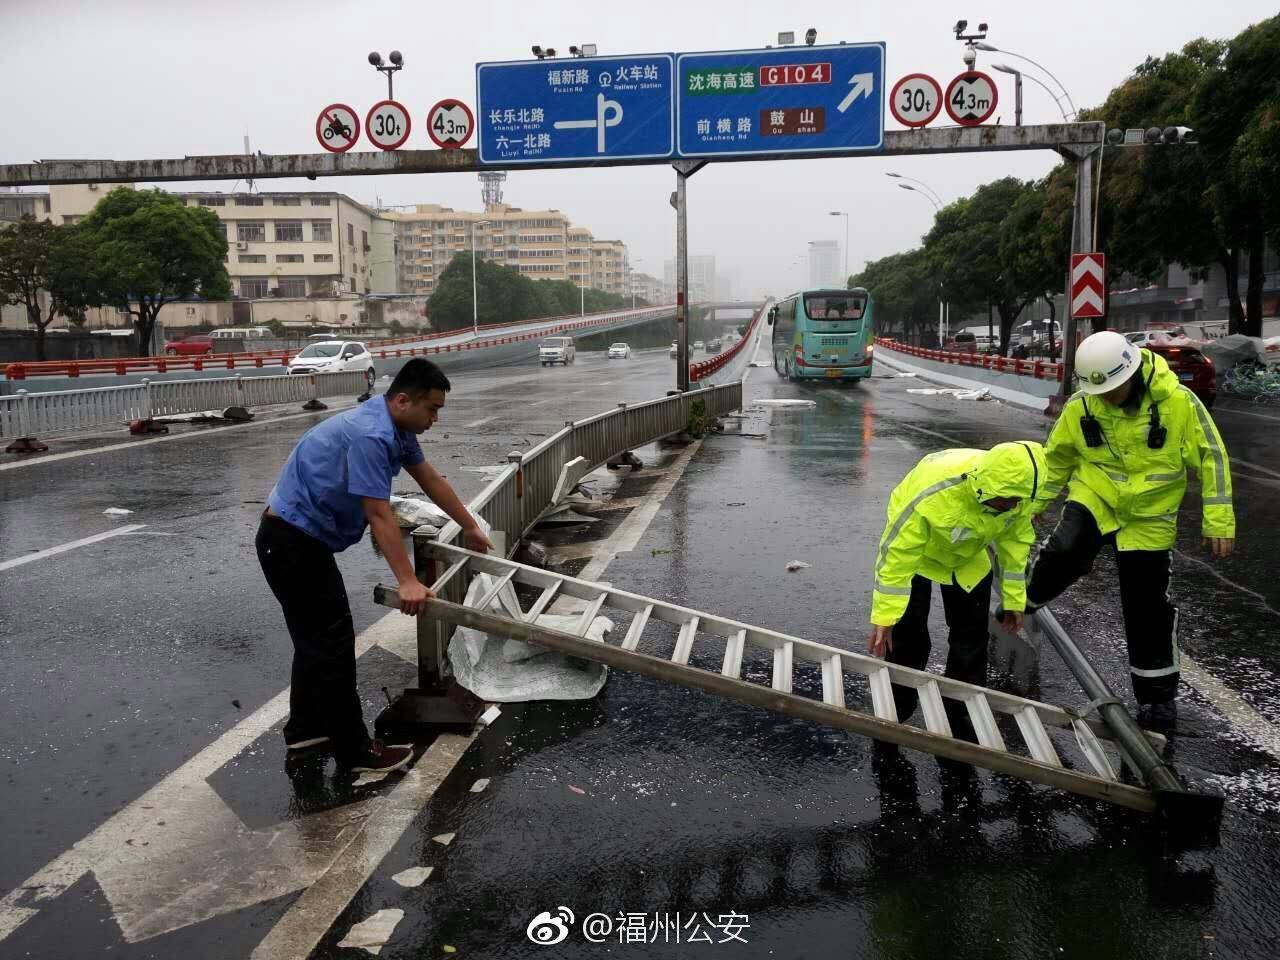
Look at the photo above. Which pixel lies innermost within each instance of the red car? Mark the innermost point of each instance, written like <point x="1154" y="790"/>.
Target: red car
<point x="1191" y="367"/>
<point x="196" y="346"/>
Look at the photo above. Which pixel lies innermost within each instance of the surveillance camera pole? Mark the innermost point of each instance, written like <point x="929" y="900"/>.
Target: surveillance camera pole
<point x="684" y="170"/>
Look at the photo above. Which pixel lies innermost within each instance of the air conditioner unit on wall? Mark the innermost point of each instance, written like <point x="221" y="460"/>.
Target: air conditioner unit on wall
<point x="242" y="244"/>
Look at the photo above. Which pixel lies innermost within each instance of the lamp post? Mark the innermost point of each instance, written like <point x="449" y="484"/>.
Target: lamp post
<point x="842" y="213"/>
<point x="1017" y="90"/>
<point x="928" y="191"/>
<point x="1009" y="53"/>
<point x="397" y="63"/>
<point x="475" y="307"/>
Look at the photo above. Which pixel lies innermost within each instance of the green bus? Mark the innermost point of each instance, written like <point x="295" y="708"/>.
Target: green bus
<point x="823" y="335"/>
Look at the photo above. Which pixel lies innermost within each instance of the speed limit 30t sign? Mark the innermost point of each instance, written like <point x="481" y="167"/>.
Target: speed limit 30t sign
<point x="450" y="124"/>
<point x="387" y="124"/>
<point x="916" y="99"/>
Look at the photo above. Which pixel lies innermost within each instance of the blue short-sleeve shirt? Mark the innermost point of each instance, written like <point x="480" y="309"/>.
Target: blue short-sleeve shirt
<point x="351" y="455"/>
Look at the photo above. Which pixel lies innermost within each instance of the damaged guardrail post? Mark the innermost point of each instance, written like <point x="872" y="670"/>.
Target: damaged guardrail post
<point x="314" y="403"/>
<point x="1193" y="817"/>
<point x="146" y="423"/>
<point x="26" y="441"/>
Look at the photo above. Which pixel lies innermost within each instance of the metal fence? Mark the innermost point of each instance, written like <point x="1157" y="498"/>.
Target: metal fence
<point x="518" y="496"/>
<point x="33" y="415"/>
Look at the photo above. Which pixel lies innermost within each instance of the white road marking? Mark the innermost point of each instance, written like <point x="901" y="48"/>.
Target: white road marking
<point x="1243" y="413"/>
<point x="74" y="544"/>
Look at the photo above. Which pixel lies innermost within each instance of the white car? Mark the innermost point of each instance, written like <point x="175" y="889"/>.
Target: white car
<point x="335" y="356"/>
<point x="619" y="351"/>
<point x="699" y="345"/>
<point x="556" y="350"/>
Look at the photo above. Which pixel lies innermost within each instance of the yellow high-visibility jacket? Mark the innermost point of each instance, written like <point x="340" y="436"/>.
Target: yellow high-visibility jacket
<point x="939" y="528"/>
<point x="1129" y="487"/>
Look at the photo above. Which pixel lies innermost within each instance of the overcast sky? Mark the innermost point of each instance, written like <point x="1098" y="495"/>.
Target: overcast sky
<point x="135" y="79"/>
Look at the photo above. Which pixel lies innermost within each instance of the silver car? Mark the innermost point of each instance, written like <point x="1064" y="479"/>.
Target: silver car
<point x="556" y="350"/>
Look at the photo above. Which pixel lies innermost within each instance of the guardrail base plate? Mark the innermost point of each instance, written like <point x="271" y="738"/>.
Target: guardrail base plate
<point x="419" y="714"/>
<point x="26" y="445"/>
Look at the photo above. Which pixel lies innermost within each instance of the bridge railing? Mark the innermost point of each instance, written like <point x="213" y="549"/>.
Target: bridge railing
<point x="1039" y="369"/>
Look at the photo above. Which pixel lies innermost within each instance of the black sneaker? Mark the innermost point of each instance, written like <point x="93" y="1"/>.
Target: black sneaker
<point x="378" y="757"/>
<point x="306" y="744"/>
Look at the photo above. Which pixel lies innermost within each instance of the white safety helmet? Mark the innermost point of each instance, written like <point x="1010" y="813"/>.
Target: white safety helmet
<point x="1106" y="360"/>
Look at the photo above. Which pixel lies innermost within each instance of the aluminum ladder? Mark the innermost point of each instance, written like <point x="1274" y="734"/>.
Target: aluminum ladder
<point x="1054" y="746"/>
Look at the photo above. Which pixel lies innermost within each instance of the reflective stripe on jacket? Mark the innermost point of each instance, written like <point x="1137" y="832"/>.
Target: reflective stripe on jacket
<point x="939" y="528"/>
<point x="1130" y="488"/>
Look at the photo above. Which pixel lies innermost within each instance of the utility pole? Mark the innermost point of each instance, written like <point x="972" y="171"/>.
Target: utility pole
<point x="684" y="170"/>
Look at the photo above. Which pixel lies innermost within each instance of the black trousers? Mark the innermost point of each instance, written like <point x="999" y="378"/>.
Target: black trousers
<point x="1150" y="619"/>
<point x="968" y="614"/>
<point x="304" y="577"/>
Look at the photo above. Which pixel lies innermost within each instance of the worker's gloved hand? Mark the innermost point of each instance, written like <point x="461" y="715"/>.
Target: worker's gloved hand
<point x="474" y="539"/>
<point x="413" y="597"/>
<point x="1011" y="620"/>
<point x="1219" y="546"/>
<point x="881" y="640"/>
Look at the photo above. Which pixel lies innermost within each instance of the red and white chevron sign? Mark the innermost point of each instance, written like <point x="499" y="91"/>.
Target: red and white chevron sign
<point x="1088" y="285"/>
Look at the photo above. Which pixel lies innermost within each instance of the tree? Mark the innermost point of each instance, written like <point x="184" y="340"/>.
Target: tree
<point x="977" y="269"/>
<point x="903" y="291"/>
<point x="37" y="257"/>
<point x="149" y="248"/>
<point x="1034" y="246"/>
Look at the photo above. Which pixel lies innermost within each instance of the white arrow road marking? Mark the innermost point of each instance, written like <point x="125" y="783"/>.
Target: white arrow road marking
<point x="863" y="83"/>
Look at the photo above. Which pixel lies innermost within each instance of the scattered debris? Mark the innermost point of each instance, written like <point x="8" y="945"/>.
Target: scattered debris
<point x="659" y="553"/>
<point x="444" y="839"/>
<point x="625" y="459"/>
<point x="373" y="934"/>
<point x="532" y="554"/>
<point x="367" y="778"/>
<point x="479" y="785"/>
<point x="116" y="512"/>
<point x="795" y="565"/>
<point x="236" y="704"/>
<point x="797" y="404"/>
<point x="413" y="877"/>
<point x="578" y="790"/>
<point x="737" y="503"/>
<point x="490" y="715"/>
<point x="490" y="471"/>
<point x="564" y="515"/>
<point x="956" y="392"/>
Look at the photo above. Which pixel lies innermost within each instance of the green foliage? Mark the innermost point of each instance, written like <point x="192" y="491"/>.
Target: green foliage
<point x="904" y="289"/>
<point x="277" y="328"/>
<point x="149" y="248"/>
<point x="36" y="256"/>
<point x="504" y="295"/>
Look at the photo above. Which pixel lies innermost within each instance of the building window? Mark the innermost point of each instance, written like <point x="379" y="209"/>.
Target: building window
<point x="252" y="258"/>
<point x="253" y="288"/>
<point x="323" y="258"/>
<point x="251" y="231"/>
<point x="351" y="235"/>
<point x="289" y="230"/>
<point x="248" y="201"/>
<point x="292" y="287"/>
<point x="364" y="239"/>
<point x="290" y="258"/>
<point x="319" y="201"/>
<point x="287" y="201"/>
<point x="322" y="230"/>
<point x="213" y="201"/>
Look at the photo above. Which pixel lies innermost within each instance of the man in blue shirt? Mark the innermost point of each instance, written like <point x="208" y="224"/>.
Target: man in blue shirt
<point x="336" y="482"/>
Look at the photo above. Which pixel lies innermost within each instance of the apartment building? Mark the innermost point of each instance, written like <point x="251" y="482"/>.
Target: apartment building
<point x="609" y="267"/>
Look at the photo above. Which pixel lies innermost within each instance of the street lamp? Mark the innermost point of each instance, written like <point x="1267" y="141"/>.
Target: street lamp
<point x="936" y="205"/>
<point x="928" y="191"/>
<point x="1009" y="53"/>
<point x="841" y="213"/>
<point x="1017" y="90"/>
<point x="397" y="63"/>
<point x="475" y="311"/>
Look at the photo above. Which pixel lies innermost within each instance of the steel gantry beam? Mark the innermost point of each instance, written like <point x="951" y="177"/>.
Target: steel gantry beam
<point x="1066" y="138"/>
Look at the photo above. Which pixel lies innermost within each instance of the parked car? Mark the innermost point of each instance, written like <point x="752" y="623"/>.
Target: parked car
<point x="556" y="350"/>
<point x="962" y="342"/>
<point x="322" y="336"/>
<point x="675" y="349"/>
<point x="1192" y="368"/>
<point x="620" y="351"/>
<point x="194" y="346"/>
<point x="1144" y="338"/>
<point x="334" y="356"/>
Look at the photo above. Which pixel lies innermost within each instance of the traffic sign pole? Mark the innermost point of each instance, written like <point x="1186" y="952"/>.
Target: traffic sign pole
<point x="1081" y="241"/>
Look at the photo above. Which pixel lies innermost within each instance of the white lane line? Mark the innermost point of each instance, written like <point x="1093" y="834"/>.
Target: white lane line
<point x="335" y="407"/>
<point x="1243" y="413"/>
<point x="74" y="544"/>
<point x="1255" y="466"/>
<point x="108" y="842"/>
<point x="477" y="423"/>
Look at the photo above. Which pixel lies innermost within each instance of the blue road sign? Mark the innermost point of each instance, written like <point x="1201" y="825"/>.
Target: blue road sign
<point x="596" y="108"/>
<point x="784" y="100"/>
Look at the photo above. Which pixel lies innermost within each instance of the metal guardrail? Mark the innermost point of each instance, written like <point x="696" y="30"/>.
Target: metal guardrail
<point x="26" y="416"/>
<point x="1039" y="369"/>
<point x="706" y="368"/>
<point x="517" y="497"/>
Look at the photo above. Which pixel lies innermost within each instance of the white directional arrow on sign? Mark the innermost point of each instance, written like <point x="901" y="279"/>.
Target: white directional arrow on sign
<point x="863" y="84"/>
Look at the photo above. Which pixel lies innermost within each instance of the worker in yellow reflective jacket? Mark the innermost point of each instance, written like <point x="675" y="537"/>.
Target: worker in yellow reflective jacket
<point x="943" y="516"/>
<point x="1121" y="448"/>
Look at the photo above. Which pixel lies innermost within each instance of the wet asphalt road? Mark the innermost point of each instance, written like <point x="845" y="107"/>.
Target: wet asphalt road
<point x="125" y="656"/>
